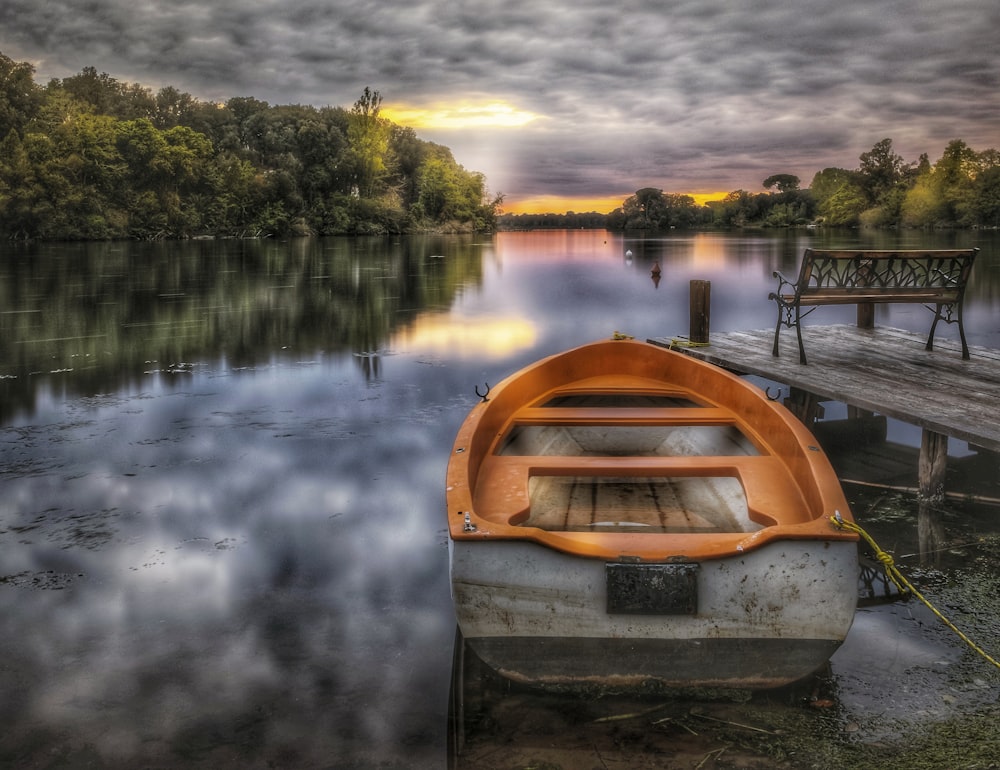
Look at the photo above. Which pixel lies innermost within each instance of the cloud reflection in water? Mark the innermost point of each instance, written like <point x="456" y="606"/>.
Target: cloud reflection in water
<point x="237" y="557"/>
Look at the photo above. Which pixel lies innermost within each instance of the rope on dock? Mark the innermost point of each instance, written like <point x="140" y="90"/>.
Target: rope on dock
<point x="904" y="585"/>
<point x="681" y="342"/>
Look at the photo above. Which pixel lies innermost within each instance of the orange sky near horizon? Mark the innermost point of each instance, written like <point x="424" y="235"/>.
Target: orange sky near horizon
<point x="464" y="114"/>
<point x="555" y="204"/>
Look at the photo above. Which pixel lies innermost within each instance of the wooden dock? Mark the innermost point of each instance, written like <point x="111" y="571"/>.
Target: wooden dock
<point x="882" y="371"/>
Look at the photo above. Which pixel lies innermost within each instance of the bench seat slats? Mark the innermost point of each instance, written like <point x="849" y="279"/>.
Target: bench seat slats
<point x="853" y="296"/>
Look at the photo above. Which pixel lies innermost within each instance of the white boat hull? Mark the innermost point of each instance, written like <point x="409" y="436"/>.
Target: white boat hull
<point x="763" y="618"/>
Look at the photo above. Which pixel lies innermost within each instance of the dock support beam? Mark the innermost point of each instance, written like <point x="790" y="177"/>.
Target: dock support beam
<point x="930" y="494"/>
<point x="700" y="311"/>
<point x="804" y="405"/>
<point x="932" y="467"/>
<point x="866" y="315"/>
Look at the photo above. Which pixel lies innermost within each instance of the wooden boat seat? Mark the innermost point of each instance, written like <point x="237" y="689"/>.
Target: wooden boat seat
<point x="502" y="490"/>
<point x="504" y="493"/>
<point x="624" y="416"/>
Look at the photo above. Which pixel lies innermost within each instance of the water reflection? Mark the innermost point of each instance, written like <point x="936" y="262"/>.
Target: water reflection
<point x="221" y="481"/>
<point x="444" y="334"/>
<point x="243" y="569"/>
<point x="116" y="311"/>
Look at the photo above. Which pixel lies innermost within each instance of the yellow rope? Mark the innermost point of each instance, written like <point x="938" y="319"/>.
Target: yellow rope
<point x="683" y="343"/>
<point x="621" y="336"/>
<point x="902" y="583"/>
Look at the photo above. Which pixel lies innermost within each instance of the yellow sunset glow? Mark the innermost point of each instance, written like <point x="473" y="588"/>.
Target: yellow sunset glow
<point x="702" y="198"/>
<point x="556" y="204"/>
<point x="458" y="115"/>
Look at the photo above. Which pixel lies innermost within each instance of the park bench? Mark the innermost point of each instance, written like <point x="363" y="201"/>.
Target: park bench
<point x="935" y="279"/>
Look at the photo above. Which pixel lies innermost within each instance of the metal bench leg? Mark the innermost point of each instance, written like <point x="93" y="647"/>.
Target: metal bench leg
<point x="961" y="333"/>
<point x="777" y="331"/>
<point x="798" y="331"/>
<point x="934" y="323"/>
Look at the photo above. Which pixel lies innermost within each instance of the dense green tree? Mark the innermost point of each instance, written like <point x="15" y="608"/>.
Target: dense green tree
<point x="987" y="197"/>
<point x="845" y="206"/>
<point x="826" y="182"/>
<point x="881" y="170"/>
<point x="922" y="205"/>
<point x="105" y="95"/>
<point x="410" y="153"/>
<point x="23" y="203"/>
<point x="173" y="107"/>
<point x="950" y="192"/>
<point x="438" y="186"/>
<point x="838" y="196"/>
<point x="646" y="209"/>
<point x="739" y="208"/>
<point x="953" y="176"/>
<point x="20" y="98"/>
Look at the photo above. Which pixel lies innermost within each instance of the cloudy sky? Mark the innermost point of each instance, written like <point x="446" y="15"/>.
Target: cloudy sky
<point x="586" y="100"/>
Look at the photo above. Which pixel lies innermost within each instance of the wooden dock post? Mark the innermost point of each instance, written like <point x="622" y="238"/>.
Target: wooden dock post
<point x="700" y="309"/>
<point x="931" y="467"/>
<point x="804" y="405"/>
<point x="866" y="315"/>
<point x="933" y="463"/>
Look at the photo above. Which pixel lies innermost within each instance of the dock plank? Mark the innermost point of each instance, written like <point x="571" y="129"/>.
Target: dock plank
<point x="883" y="370"/>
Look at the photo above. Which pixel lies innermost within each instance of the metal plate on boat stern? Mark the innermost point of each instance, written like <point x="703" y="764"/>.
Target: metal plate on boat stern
<point x="652" y="589"/>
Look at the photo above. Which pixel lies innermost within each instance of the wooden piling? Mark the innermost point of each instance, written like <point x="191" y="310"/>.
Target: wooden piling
<point x="700" y="305"/>
<point x="866" y="315"/>
<point x="932" y="465"/>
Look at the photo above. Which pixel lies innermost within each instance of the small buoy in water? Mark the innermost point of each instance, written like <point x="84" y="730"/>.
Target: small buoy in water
<point x="656" y="269"/>
<point x="628" y="253"/>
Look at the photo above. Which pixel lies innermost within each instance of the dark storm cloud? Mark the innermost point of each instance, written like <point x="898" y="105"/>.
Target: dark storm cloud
<point x="686" y="95"/>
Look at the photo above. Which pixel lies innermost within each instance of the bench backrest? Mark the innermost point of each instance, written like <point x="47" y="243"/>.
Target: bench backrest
<point x="944" y="271"/>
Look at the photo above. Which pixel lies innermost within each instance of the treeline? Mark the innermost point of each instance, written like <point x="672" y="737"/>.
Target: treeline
<point x="90" y="157"/>
<point x="571" y="220"/>
<point x="962" y="189"/>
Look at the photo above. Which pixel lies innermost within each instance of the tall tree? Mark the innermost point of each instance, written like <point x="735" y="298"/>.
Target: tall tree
<point x="782" y="182"/>
<point x="881" y="170"/>
<point x="368" y="134"/>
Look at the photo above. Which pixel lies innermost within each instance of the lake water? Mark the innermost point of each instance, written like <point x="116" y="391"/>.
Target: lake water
<point x="222" y="464"/>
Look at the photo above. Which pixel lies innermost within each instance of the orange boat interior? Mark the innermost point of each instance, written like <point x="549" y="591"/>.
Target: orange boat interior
<point x="628" y="460"/>
<point x="594" y="463"/>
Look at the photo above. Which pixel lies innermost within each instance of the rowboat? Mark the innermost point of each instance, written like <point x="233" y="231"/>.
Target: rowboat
<point x="624" y="515"/>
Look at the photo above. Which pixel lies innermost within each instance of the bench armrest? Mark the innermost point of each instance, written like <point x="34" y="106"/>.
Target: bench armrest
<point x="783" y="282"/>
